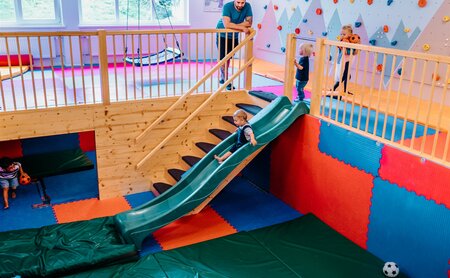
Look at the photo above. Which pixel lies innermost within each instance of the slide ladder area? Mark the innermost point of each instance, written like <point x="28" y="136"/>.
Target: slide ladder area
<point x="204" y="178"/>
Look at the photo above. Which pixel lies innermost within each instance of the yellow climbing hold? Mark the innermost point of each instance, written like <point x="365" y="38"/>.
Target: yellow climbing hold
<point x="406" y="30"/>
<point x="338" y="38"/>
<point x="426" y="47"/>
<point x="446" y="18"/>
<point x="352" y="1"/>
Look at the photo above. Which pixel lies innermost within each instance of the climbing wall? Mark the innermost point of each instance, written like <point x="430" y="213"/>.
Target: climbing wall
<point x="417" y="25"/>
<point x="387" y="201"/>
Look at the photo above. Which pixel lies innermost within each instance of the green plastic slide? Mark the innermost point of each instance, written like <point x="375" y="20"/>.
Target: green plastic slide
<point x="205" y="176"/>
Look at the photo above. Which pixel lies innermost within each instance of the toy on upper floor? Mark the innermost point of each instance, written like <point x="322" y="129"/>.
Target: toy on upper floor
<point x="24" y="179"/>
<point x="391" y="269"/>
<point x="351" y="38"/>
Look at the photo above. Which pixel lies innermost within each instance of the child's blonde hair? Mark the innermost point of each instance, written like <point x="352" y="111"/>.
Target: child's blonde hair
<point x="306" y="48"/>
<point x="348" y="27"/>
<point x="240" y="114"/>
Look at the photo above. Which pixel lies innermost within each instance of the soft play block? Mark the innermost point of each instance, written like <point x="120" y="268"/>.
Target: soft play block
<point x="311" y="181"/>
<point x="11" y="148"/>
<point x="423" y="177"/>
<point x="47" y="144"/>
<point x="350" y="148"/>
<point x="413" y="232"/>
<point x="15" y="60"/>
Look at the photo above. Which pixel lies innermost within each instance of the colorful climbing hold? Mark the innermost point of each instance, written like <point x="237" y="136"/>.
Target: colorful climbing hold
<point x="385" y="28"/>
<point x="283" y="49"/>
<point x="352" y="1"/>
<point x="293" y="8"/>
<point x="389" y="2"/>
<point x="305" y="20"/>
<point x="310" y="32"/>
<point x="436" y="77"/>
<point x="358" y="24"/>
<point x="259" y="25"/>
<point x="324" y="33"/>
<point x="406" y="30"/>
<point x="373" y="42"/>
<point x="330" y="58"/>
<point x="426" y="47"/>
<point x="275" y="7"/>
<point x="446" y="18"/>
<point x="399" y="71"/>
<point x="422" y="3"/>
<point x="370" y="2"/>
<point x="393" y="43"/>
<point x="265" y="7"/>
<point x="297" y="31"/>
<point x="379" y="67"/>
<point x="335" y="1"/>
<point x="268" y="45"/>
<point x="279" y="27"/>
<point x="319" y="11"/>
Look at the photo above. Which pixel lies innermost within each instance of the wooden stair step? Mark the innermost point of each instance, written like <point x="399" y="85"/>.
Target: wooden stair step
<point x="250" y="108"/>
<point x="191" y="160"/>
<point x="263" y="95"/>
<point x="161" y="187"/>
<point x="220" y="133"/>
<point x="176" y="173"/>
<point x="204" y="146"/>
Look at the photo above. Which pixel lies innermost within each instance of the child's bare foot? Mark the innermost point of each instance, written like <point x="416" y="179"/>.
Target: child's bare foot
<point x="218" y="158"/>
<point x="6" y="207"/>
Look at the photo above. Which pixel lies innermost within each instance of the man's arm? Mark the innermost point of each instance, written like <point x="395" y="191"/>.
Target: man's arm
<point x="230" y="25"/>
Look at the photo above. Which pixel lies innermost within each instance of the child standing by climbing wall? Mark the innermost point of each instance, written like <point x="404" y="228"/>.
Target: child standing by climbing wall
<point x="302" y="74"/>
<point x="346" y="33"/>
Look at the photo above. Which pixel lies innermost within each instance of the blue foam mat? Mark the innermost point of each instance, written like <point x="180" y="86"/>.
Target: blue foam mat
<point x="369" y="119"/>
<point x="40" y="145"/>
<point x="74" y="186"/>
<point x="138" y="199"/>
<point x="414" y="232"/>
<point x="350" y="148"/>
<point x="247" y="207"/>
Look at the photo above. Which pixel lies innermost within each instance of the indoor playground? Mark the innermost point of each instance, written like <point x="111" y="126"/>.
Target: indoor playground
<point x="116" y="111"/>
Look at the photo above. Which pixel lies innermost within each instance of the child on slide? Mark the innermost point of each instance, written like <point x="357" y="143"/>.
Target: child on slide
<point x="244" y="134"/>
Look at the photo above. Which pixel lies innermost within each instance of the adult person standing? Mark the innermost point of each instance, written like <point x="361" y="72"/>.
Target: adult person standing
<point x="236" y="15"/>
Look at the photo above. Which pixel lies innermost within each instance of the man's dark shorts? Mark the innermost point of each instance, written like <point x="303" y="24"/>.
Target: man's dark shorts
<point x="225" y="46"/>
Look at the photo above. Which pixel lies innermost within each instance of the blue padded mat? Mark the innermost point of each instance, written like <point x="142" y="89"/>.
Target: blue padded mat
<point x="138" y="199"/>
<point x="261" y="208"/>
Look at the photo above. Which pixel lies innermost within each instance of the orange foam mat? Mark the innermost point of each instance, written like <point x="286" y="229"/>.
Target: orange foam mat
<point x="89" y="209"/>
<point x="207" y="224"/>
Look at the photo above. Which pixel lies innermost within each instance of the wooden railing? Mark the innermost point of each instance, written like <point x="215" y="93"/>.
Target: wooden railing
<point x="396" y="97"/>
<point x="81" y="68"/>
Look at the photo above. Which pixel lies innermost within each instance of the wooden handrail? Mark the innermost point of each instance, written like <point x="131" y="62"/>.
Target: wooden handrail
<point x="193" y="114"/>
<point x="194" y="88"/>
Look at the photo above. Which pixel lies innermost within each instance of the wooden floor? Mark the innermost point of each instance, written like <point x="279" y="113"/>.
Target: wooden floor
<point x="382" y="100"/>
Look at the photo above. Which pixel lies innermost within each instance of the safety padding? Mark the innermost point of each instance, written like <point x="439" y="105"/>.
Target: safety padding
<point x="15" y="60"/>
<point x="409" y="230"/>
<point x="350" y="148"/>
<point x="207" y="224"/>
<point x="311" y="181"/>
<point x="87" y="140"/>
<point x="415" y="174"/>
<point x="47" y="144"/>
<point x="11" y="148"/>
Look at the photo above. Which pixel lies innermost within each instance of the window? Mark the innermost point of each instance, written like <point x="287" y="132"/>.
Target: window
<point x="30" y="12"/>
<point x="133" y="12"/>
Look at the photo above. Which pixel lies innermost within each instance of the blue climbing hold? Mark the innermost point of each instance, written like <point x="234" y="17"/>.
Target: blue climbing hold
<point x="358" y="24"/>
<point x="393" y="43"/>
<point x="389" y="2"/>
<point x="283" y="49"/>
<point x="268" y="45"/>
<point x="265" y="7"/>
<point x="331" y="58"/>
<point x="399" y="71"/>
<point x="373" y="42"/>
<point x="305" y="20"/>
<point x="324" y="33"/>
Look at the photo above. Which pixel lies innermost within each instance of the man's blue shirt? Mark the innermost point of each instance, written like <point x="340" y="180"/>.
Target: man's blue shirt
<point x="235" y="16"/>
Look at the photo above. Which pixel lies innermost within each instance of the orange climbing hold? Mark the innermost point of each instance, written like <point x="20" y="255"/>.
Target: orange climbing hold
<point x="422" y="3"/>
<point x="335" y="1"/>
<point x="280" y="27"/>
<point x="319" y="11"/>
<point x="370" y="2"/>
<point x="275" y="7"/>
<point x="259" y="25"/>
<point x="297" y="31"/>
<point x="436" y="78"/>
<point x="385" y="28"/>
<point x="379" y="67"/>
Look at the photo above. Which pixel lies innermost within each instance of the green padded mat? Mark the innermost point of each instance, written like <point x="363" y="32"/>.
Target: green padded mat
<point x="65" y="248"/>
<point x="304" y="247"/>
<point x="55" y="163"/>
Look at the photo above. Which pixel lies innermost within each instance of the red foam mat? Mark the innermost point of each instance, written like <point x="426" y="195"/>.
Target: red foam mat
<point x="420" y="176"/>
<point x="311" y="181"/>
<point x="11" y="148"/>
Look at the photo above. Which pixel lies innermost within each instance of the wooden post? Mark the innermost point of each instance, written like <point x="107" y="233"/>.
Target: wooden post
<point x="319" y="61"/>
<point x="289" y="71"/>
<point x="103" y="60"/>
<point x="248" y="55"/>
